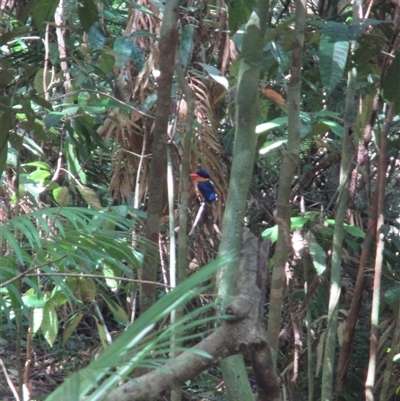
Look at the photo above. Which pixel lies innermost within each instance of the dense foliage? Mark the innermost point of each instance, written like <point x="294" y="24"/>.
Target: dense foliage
<point x="78" y="92"/>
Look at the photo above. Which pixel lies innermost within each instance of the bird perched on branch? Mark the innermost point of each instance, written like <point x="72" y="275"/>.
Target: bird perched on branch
<point x="204" y="186"/>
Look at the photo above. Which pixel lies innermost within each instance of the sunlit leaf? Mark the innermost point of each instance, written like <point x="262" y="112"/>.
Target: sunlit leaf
<point x="62" y="196"/>
<point x="49" y="325"/>
<point x="71" y="326"/>
<point x="333" y="51"/>
<point x="271" y="145"/>
<point x="215" y="74"/>
<point x="90" y="197"/>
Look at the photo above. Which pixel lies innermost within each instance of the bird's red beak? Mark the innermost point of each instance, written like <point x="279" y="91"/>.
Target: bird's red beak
<point x="193" y="175"/>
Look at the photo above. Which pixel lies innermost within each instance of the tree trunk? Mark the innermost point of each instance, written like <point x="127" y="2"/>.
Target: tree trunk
<point x="288" y="168"/>
<point x="233" y="368"/>
<point x="167" y="47"/>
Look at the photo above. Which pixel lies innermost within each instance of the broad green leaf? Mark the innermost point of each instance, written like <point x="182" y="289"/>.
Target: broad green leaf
<point x="52" y="119"/>
<point x="35" y="301"/>
<point x="271" y="232"/>
<point x="391" y="85"/>
<point x="62" y="196"/>
<point x="71" y="326"/>
<point x="392" y="295"/>
<point x="116" y="310"/>
<point x="239" y="12"/>
<point x="39" y="164"/>
<point x="43" y="11"/>
<point x="336" y="128"/>
<point x="88" y="14"/>
<point x="186" y="45"/>
<point x="271" y="145"/>
<point x="38" y="83"/>
<point x="333" y="51"/>
<point x="298" y="222"/>
<point x="102" y="333"/>
<point x="137" y="57"/>
<point x="39" y="175"/>
<point x="318" y="255"/>
<point x="49" y="324"/>
<point x="96" y="39"/>
<point x="87" y="289"/>
<point x="149" y="102"/>
<point x="108" y="272"/>
<point x="106" y="61"/>
<point x="90" y="197"/>
<point x="277" y="122"/>
<point x="123" y="49"/>
<point x="354" y="231"/>
<point x="37" y="319"/>
<point x="215" y="74"/>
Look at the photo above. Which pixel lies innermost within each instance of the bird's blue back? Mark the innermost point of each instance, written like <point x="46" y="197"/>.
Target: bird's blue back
<point x="206" y="188"/>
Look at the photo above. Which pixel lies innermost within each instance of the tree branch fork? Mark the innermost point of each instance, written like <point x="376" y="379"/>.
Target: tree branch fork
<point x="243" y="332"/>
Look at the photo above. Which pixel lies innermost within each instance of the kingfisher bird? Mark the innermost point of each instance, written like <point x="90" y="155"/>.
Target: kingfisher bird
<point x="204" y="186"/>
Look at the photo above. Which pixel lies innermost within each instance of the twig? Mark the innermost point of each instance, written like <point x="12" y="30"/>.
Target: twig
<point x="130" y="280"/>
<point x="25" y="273"/>
<point x="199" y="213"/>
<point x="9" y="381"/>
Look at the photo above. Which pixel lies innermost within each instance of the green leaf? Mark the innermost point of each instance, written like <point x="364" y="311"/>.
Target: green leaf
<point x="215" y="74"/>
<point x="71" y="326"/>
<point x="298" y="222"/>
<point x="354" y="231"/>
<point x="87" y="289"/>
<point x="90" y="197"/>
<point x="108" y="271"/>
<point x="43" y="11"/>
<point x="277" y="122"/>
<point x="239" y="12"/>
<point x="124" y="49"/>
<point x="62" y="196"/>
<point x="392" y="295"/>
<point x="391" y="85"/>
<point x="34" y="301"/>
<point x="116" y="310"/>
<point x="38" y="82"/>
<point x="39" y="164"/>
<point x="333" y="51"/>
<point x="88" y="14"/>
<point x="336" y="128"/>
<point x="96" y="39"/>
<point x="37" y="318"/>
<point x="52" y="119"/>
<point x="137" y="57"/>
<point x="186" y="45"/>
<point x="318" y="255"/>
<point x="271" y="145"/>
<point x="49" y="324"/>
<point x="271" y="232"/>
<point x="102" y="333"/>
<point x="6" y="119"/>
